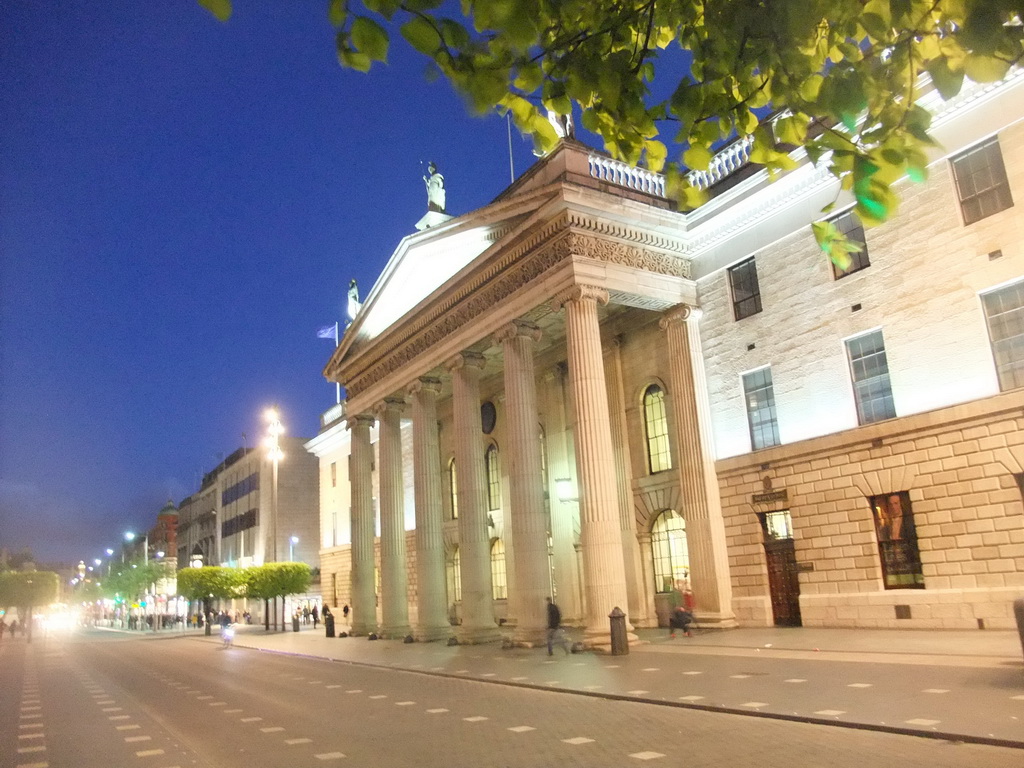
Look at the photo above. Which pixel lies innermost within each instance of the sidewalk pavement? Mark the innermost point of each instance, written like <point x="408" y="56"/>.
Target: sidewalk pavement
<point x="984" y="672"/>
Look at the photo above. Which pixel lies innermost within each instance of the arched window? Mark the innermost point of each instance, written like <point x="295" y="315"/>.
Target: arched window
<point x="659" y="457"/>
<point x="453" y="490"/>
<point x="493" y="478"/>
<point x="543" y="460"/>
<point x="499" y="583"/>
<point x="671" y="557"/>
<point x="453" y="572"/>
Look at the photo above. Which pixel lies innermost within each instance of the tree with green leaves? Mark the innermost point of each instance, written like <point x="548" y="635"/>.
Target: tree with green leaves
<point x="273" y="580"/>
<point x="210" y="582"/>
<point x="27" y="590"/>
<point x="841" y="78"/>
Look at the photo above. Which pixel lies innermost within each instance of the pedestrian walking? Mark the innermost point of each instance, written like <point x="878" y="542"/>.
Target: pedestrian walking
<point x="555" y="633"/>
<point x="315" y="614"/>
<point x="344" y="612"/>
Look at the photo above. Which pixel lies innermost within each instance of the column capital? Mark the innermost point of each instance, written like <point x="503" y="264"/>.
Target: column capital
<point x="684" y="313"/>
<point x="579" y="293"/>
<point x="392" y="403"/>
<point x="518" y="328"/>
<point x="465" y="360"/>
<point x="426" y="384"/>
<point x="363" y="420"/>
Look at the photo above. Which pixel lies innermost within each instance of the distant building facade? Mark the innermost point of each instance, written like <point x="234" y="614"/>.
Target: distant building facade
<point x="579" y="391"/>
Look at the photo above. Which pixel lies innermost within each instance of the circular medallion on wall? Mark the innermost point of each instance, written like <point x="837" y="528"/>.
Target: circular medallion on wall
<point x="488" y="416"/>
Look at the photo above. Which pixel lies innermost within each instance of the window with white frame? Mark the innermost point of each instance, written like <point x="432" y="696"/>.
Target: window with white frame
<point x="453" y="491"/>
<point x="499" y="581"/>
<point x="493" y="478"/>
<point x="746" y="294"/>
<point x="869" y="370"/>
<point x="848" y="225"/>
<point x="1004" y="313"/>
<point x="668" y="546"/>
<point x="981" y="182"/>
<point x="759" y="396"/>
<point x="659" y="455"/>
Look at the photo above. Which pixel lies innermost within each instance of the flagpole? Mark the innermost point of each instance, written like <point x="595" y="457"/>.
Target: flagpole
<point x="337" y="385"/>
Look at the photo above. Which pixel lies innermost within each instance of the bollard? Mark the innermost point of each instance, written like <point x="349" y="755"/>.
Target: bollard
<point x="295" y="624"/>
<point x="329" y="625"/>
<point x="620" y="645"/>
<point x="1018" y="612"/>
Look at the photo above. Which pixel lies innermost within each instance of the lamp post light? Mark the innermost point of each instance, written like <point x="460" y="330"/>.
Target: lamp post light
<point x="274" y="431"/>
<point x="130" y="536"/>
<point x="291" y="547"/>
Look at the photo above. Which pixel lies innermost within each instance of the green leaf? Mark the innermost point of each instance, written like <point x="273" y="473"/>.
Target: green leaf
<point x="947" y="81"/>
<point x="421" y="35"/>
<point x="697" y="157"/>
<point x="985" y="69"/>
<point x="656" y="153"/>
<point x="336" y="12"/>
<point x="221" y="9"/>
<point x="370" y="38"/>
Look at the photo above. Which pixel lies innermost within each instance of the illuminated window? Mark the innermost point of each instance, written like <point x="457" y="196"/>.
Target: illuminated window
<point x="870" y="370"/>
<point x="897" y="541"/>
<point x="334" y="474"/>
<point x="671" y="557"/>
<point x="499" y="582"/>
<point x="851" y="227"/>
<point x="493" y="478"/>
<point x="981" y="181"/>
<point x="453" y="490"/>
<point x="543" y="460"/>
<point x="659" y="456"/>
<point x="1004" y="311"/>
<point x="453" y="572"/>
<point x="746" y="295"/>
<point x="759" y="395"/>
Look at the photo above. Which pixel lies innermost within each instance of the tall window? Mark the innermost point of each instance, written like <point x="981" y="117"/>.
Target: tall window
<point x="659" y="456"/>
<point x="453" y="490"/>
<point x="671" y="557"/>
<point x="453" y="574"/>
<point x="543" y="460"/>
<point x="981" y="181"/>
<point x="870" y="371"/>
<point x="759" y="395"/>
<point x="746" y="295"/>
<point x="499" y="582"/>
<point x="493" y="478"/>
<point x="1004" y="311"/>
<point x="334" y="474"/>
<point x="897" y="541"/>
<point x="848" y="224"/>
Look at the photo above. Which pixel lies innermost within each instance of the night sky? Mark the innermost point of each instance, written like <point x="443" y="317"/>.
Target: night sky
<point x="182" y="205"/>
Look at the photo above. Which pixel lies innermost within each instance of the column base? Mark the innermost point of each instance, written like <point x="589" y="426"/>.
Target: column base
<point x="395" y="633"/>
<point x="431" y="634"/>
<point x="524" y="637"/>
<point x="602" y="641"/>
<point x="360" y="630"/>
<point x="712" y="620"/>
<point x="478" y="635"/>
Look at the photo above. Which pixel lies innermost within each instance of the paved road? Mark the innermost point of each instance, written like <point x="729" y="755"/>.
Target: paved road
<point x="115" y="700"/>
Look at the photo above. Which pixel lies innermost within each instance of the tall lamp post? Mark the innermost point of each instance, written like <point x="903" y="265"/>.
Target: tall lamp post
<point x="291" y="547"/>
<point x="129" y="536"/>
<point x="274" y="431"/>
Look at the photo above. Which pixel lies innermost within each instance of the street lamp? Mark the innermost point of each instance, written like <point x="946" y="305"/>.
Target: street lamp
<point x="274" y="431"/>
<point x="291" y="547"/>
<point x="130" y="536"/>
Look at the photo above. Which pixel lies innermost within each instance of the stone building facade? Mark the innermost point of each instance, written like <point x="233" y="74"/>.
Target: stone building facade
<point x="579" y="391"/>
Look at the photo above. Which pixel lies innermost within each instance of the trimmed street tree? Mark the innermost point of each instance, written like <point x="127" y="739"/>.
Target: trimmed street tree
<point x="25" y="590"/>
<point x="210" y="581"/>
<point x="841" y="78"/>
<point x="274" y="580"/>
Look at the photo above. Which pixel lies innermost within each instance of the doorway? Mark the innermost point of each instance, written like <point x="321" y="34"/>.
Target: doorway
<point x="783" y="578"/>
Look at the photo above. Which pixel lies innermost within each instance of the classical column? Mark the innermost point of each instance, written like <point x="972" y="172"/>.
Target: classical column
<point x="364" y="600"/>
<point x="432" y="615"/>
<point x="394" y="597"/>
<point x="600" y="522"/>
<point x="526" y="518"/>
<point x="640" y="609"/>
<point x="702" y="507"/>
<point x="478" y="624"/>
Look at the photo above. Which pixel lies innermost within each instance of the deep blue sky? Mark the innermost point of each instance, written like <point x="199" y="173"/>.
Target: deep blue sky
<point x="182" y="205"/>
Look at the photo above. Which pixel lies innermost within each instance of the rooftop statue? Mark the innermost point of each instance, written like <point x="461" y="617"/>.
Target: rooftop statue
<point x="435" y="189"/>
<point x="353" y="300"/>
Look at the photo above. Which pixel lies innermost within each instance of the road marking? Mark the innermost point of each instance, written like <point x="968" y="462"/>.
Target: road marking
<point x="475" y="719"/>
<point x="591" y="687"/>
<point x="329" y="756"/>
<point x="1017" y="698"/>
<point x="578" y="740"/>
<point x="112" y="709"/>
<point x="31" y="716"/>
<point x="651" y="669"/>
<point x="461" y="671"/>
<point x="149" y="752"/>
<point x="379" y="696"/>
<point x="250" y="719"/>
<point x="756" y="704"/>
<point x="922" y="721"/>
<point x="611" y="666"/>
<point x="105" y="701"/>
<point x="830" y="712"/>
<point x="272" y="729"/>
<point x="217" y="704"/>
<point x="203" y="698"/>
<point x="516" y="679"/>
<point x="943" y="690"/>
<point x="637" y="693"/>
<point x="489" y="674"/>
<point x="690" y="698"/>
<point x="693" y="672"/>
<point x="522" y="728"/>
<point x="292" y="742"/>
<point x="231" y="711"/>
<point x="859" y="685"/>
<point x="355" y="690"/>
<point x="133" y="739"/>
<point x="120" y="717"/>
<point x="553" y="682"/>
<point x="30" y="725"/>
<point x="132" y="727"/>
<point x="31" y="735"/>
<point x="334" y="686"/>
<point x="404" y="703"/>
<point x="33" y="708"/>
<point x="34" y="765"/>
<point x="26" y="750"/>
<point x="436" y="711"/>
<point x="739" y="677"/>
<point x="795" y="680"/>
<point x="646" y="755"/>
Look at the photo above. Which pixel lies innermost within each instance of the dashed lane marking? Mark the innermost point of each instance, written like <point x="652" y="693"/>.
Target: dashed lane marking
<point x="31" y="735"/>
<point x="132" y="727"/>
<point x="690" y="698"/>
<point x="30" y="725"/>
<point x="922" y="721"/>
<point x="120" y="717"/>
<point x="489" y="674"/>
<point x="379" y="696"/>
<point x="26" y="750"/>
<point x="578" y="740"/>
<point x="739" y="677"/>
<point x="756" y="704"/>
<point x="404" y="703"/>
<point x="217" y="704"/>
<point x="646" y="755"/>
<point x="250" y="719"/>
<point x="149" y="753"/>
<point x="475" y="719"/>
<point x="859" y="685"/>
<point x="329" y="756"/>
<point x="34" y="765"/>
<point x="795" y="680"/>
<point x="355" y="690"/>
<point x="831" y="712"/>
<point x="437" y="711"/>
<point x="637" y="693"/>
<point x="517" y="679"/>
<point x="203" y="698"/>
<point x="941" y="690"/>
<point x="293" y="742"/>
<point x="135" y="739"/>
<point x="651" y="669"/>
<point x="693" y="672"/>
<point x="112" y="709"/>
<point x="522" y="728"/>
<point x="272" y="729"/>
<point x="334" y="686"/>
<point x="231" y="711"/>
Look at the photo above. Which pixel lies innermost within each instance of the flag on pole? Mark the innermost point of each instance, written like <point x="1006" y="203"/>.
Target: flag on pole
<point x="328" y="332"/>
